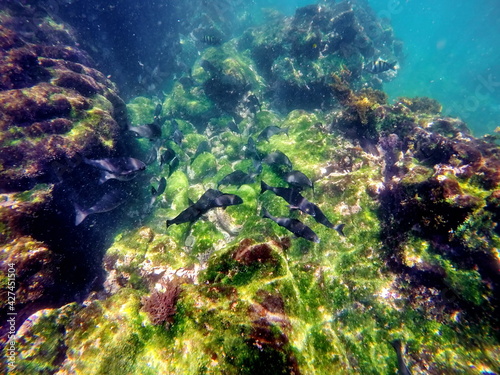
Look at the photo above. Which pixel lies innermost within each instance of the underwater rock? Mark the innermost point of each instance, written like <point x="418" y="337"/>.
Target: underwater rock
<point x="418" y="193"/>
<point x="160" y="305"/>
<point x="249" y="253"/>
<point x="54" y="107"/>
<point x="298" y="54"/>
<point x="436" y="181"/>
<point x="226" y="83"/>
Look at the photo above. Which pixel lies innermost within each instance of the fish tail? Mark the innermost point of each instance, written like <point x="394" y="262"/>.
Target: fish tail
<point x="397" y="345"/>
<point x="80" y="214"/>
<point x="340" y="229"/>
<point x="263" y="187"/>
<point x="392" y="65"/>
<point x="265" y="214"/>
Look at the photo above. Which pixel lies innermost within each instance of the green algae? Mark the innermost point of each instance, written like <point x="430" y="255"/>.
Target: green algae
<point x="339" y="317"/>
<point x="41" y="349"/>
<point x="258" y="300"/>
<point x="141" y="110"/>
<point x="205" y="165"/>
<point x="190" y="104"/>
<point x="35" y="195"/>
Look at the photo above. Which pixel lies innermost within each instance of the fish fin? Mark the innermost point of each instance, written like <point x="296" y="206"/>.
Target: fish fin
<point x="105" y="176"/>
<point x="154" y="193"/>
<point x="170" y="170"/>
<point x="340" y="229"/>
<point x="80" y="214"/>
<point x="293" y="208"/>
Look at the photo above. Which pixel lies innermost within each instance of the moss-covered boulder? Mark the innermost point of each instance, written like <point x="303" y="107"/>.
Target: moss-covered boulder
<point x="54" y="108"/>
<point x="53" y="103"/>
<point x="298" y="54"/>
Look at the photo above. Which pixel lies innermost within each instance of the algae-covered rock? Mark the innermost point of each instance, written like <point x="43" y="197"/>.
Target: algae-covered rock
<point x="203" y="166"/>
<point x="54" y="103"/>
<point x="299" y="54"/>
<point x="140" y="110"/>
<point x="55" y="108"/>
<point x="406" y="209"/>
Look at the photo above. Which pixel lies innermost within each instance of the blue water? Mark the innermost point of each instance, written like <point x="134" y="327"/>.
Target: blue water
<point x="452" y="54"/>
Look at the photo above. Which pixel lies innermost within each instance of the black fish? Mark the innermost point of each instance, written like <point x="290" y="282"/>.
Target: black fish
<point x="173" y="165"/>
<point x="189" y="215"/>
<point x="257" y="166"/>
<point x="254" y="103"/>
<point x="161" y="187"/>
<point x="233" y="127"/>
<point x="211" y="40"/>
<point x="278" y="159"/>
<point x="150" y="131"/>
<point x="152" y="155"/>
<point x="108" y="202"/>
<point x="170" y="158"/>
<point x="202" y="147"/>
<point x="402" y="368"/>
<point x="237" y="178"/>
<point x="380" y="66"/>
<point x="167" y="156"/>
<point x="269" y="132"/>
<point x="186" y="82"/>
<point x="292" y="196"/>
<point x="157" y="114"/>
<point x="293" y="225"/>
<point x="226" y="200"/>
<point x="123" y="169"/>
<point x="320" y="217"/>
<point x="122" y="165"/>
<point x="210" y="68"/>
<point x="176" y="135"/>
<point x="205" y="201"/>
<point x="251" y="150"/>
<point x="297" y="202"/>
<point x="210" y="199"/>
<point x="298" y="180"/>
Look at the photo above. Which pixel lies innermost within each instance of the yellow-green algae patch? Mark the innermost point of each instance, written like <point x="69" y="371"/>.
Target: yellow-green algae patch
<point x="141" y="110"/>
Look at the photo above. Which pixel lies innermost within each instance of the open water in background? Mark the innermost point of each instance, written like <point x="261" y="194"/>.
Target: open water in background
<point x="452" y="54"/>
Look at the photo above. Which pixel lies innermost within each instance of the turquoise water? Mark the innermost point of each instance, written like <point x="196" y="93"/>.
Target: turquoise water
<point x="452" y="55"/>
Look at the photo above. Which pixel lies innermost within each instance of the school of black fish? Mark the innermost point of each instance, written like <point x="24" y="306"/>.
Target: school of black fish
<point x="127" y="168"/>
